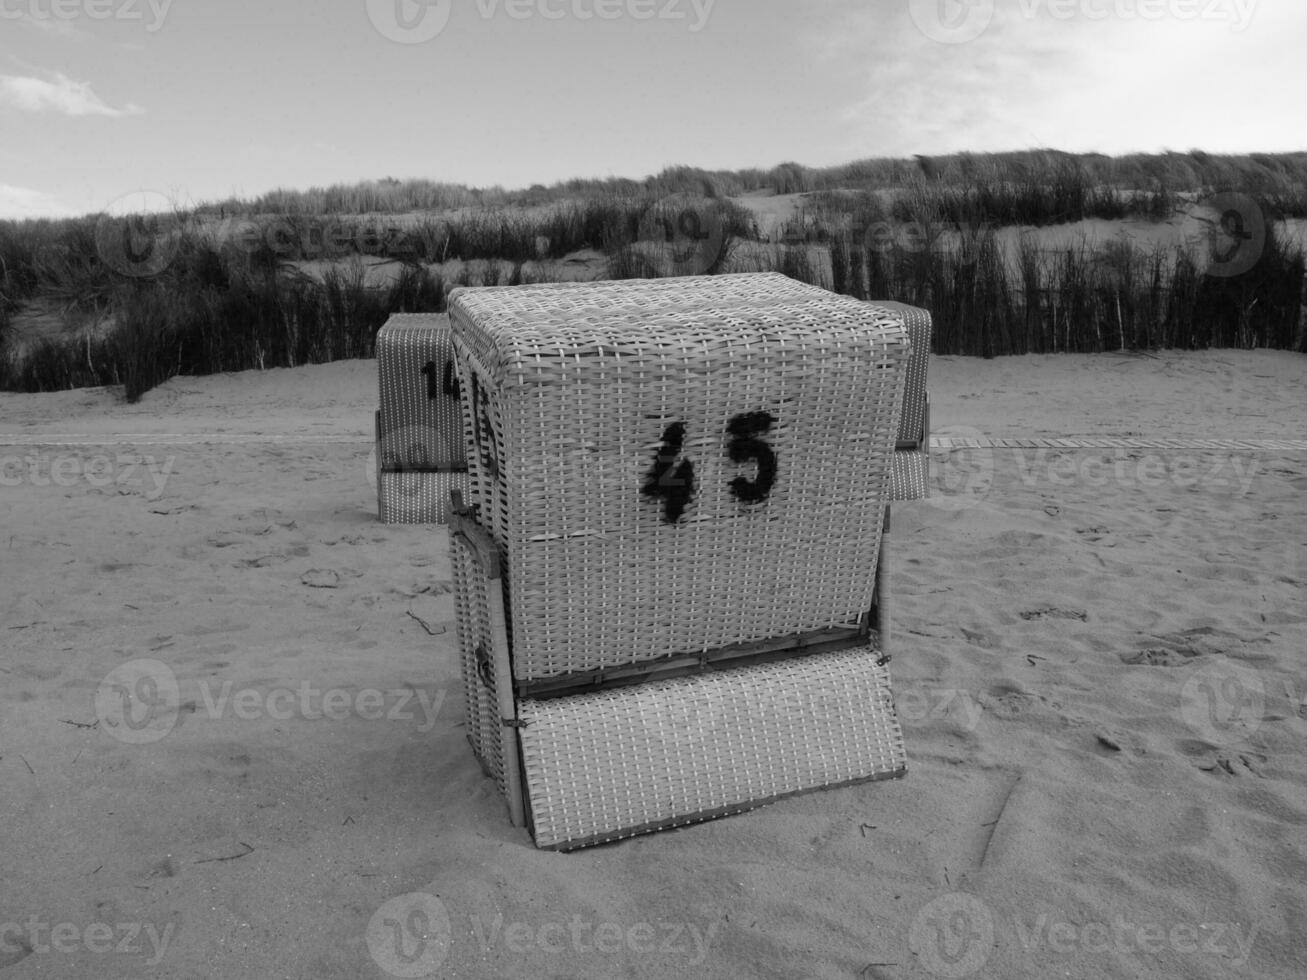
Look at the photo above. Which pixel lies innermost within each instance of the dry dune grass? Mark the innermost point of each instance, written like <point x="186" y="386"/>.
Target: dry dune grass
<point x="1011" y="252"/>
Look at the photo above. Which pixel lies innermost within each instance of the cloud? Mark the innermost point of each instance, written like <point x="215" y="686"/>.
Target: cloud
<point x="23" y="202"/>
<point x="62" y="95"/>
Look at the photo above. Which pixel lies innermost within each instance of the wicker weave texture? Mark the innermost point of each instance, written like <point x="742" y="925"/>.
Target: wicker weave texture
<point x="910" y="471"/>
<point x="909" y="477"/>
<point x="417" y="497"/>
<point x="421" y="419"/>
<point x="918" y="324"/>
<point x="656" y="294"/>
<point x="473" y="629"/>
<point x="612" y="764"/>
<point x="575" y="392"/>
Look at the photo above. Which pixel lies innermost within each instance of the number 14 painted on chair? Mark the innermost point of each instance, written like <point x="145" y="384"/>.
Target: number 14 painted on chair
<point x="672" y="479"/>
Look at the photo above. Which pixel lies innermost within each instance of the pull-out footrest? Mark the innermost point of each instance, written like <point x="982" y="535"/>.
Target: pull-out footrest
<point x="632" y="760"/>
<point x="590" y="766"/>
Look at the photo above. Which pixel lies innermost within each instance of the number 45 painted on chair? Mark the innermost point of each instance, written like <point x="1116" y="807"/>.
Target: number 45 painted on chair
<point x="672" y="478"/>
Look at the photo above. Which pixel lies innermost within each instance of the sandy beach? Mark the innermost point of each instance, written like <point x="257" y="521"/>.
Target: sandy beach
<point x="1100" y="672"/>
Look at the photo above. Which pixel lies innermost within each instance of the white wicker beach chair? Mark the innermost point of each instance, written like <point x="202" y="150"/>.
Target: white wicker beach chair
<point x="666" y="563"/>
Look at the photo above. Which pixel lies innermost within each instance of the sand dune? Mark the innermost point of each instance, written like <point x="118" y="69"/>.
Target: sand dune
<point x="1100" y="672"/>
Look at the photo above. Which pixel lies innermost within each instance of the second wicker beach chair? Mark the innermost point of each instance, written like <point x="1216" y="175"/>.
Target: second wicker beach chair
<point x="419" y="439"/>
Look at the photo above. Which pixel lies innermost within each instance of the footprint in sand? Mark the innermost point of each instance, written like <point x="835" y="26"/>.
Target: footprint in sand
<point x="167" y="868"/>
<point x="15" y="951"/>
<point x="1112" y="741"/>
<point x="350" y="539"/>
<point x="1159" y="657"/>
<point x="978" y="639"/>
<point x="1006" y="701"/>
<point x="328" y="578"/>
<point x="1224" y="763"/>
<point x="225" y="539"/>
<point x="263" y="561"/>
<point x="1051" y="612"/>
<point x="1179" y="649"/>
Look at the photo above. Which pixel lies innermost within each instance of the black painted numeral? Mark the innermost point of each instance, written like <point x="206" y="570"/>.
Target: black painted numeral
<point x="744" y="447"/>
<point x="429" y="372"/>
<point x="667" y="479"/>
<point x="449" y="381"/>
<point x="671" y="478"/>
<point x="483" y="432"/>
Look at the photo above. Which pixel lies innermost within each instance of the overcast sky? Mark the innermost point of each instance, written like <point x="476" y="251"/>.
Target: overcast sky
<point x="202" y="99"/>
